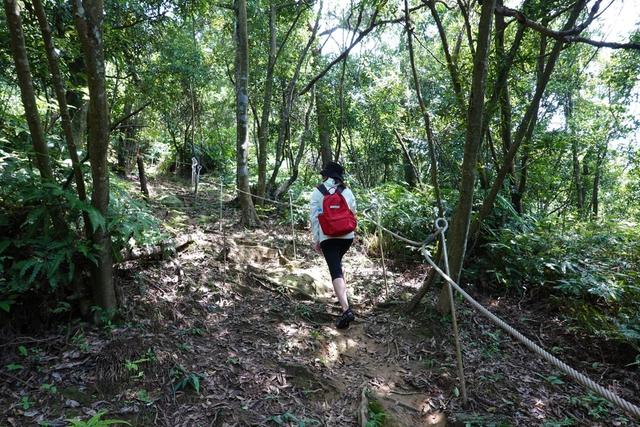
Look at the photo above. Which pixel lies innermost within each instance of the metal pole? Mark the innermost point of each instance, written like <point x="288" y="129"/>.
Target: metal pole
<point x="194" y="165"/>
<point x="442" y="225"/>
<point x="293" y="231"/>
<point x="195" y="192"/>
<point x="224" y="235"/>
<point x="384" y="267"/>
<point x="220" y="215"/>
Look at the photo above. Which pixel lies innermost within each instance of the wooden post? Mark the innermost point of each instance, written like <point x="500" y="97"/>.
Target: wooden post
<point x="195" y="191"/>
<point x="442" y="225"/>
<point x="293" y="231"/>
<point x="384" y="267"/>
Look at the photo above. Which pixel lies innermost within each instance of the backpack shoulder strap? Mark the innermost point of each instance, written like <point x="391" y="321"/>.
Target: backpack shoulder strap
<point x="322" y="189"/>
<point x="340" y="188"/>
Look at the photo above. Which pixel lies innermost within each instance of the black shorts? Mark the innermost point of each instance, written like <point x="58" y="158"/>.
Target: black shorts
<point x="333" y="251"/>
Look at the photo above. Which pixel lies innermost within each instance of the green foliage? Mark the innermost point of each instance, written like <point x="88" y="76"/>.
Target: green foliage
<point x="14" y="367"/>
<point x="591" y="267"/>
<point x="35" y="255"/>
<point x="182" y="379"/>
<point x="133" y="366"/>
<point x="131" y="223"/>
<point x="410" y="213"/>
<point x="25" y="402"/>
<point x="50" y="388"/>
<point x="597" y="406"/>
<point x="290" y="419"/>
<point x="39" y="255"/>
<point x="96" y="421"/>
<point x="376" y="415"/>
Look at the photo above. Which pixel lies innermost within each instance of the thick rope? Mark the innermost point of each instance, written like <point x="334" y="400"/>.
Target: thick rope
<point x="579" y="377"/>
<point x="430" y="238"/>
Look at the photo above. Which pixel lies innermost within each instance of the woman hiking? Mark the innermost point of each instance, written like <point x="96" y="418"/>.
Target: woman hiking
<point x="332" y="226"/>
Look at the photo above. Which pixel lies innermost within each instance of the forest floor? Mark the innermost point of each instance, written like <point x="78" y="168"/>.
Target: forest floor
<point x="233" y="331"/>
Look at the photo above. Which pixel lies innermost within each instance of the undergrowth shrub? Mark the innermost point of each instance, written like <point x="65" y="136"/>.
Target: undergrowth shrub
<point x="591" y="269"/>
<point x="39" y="262"/>
<point x="411" y="213"/>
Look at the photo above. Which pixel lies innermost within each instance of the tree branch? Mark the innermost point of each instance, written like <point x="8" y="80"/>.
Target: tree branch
<point x="118" y="122"/>
<point x="372" y="26"/>
<point x="566" y="36"/>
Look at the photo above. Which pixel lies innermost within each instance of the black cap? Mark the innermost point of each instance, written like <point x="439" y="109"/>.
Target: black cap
<point x="333" y="170"/>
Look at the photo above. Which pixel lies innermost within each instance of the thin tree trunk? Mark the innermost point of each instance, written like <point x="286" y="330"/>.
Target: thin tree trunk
<point x="462" y="215"/>
<point x="289" y="99"/>
<point x="280" y="142"/>
<point x="504" y="100"/>
<point x="27" y="94"/>
<point x="58" y="84"/>
<point x="518" y="194"/>
<point x="123" y="145"/>
<point x="527" y="121"/>
<point x="263" y="129"/>
<point x="411" y="174"/>
<point x="249" y="216"/>
<point x="89" y="17"/>
<point x="501" y="79"/>
<point x="295" y="167"/>
<point x="596" y="182"/>
<point x="464" y="9"/>
<point x="423" y="110"/>
<point x="23" y="71"/>
<point x="341" y="99"/>
<point x="142" y="176"/>
<point x="451" y="65"/>
<point x="577" y="177"/>
<point x="324" y="134"/>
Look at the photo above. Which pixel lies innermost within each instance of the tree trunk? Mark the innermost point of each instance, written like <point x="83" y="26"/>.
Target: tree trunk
<point x="23" y="71"/>
<point x="596" y="182"/>
<point x="341" y="106"/>
<point x="126" y="143"/>
<point x="290" y="97"/>
<point x="411" y="175"/>
<point x="142" y="176"/>
<point x="451" y="64"/>
<point x="575" y="161"/>
<point x="263" y="130"/>
<point x="249" y="216"/>
<point x="27" y="93"/>
<point x="462" y="215"/>
<point x="280" y="142"/>
<point x="89" y="15"/>
<point x="504" y="100"/>
<point x="518" y="193"/>
<point x="425" y="113"/>
<point x="324" y="133"/>
<point x="295" y="167"/>
<point x="528" y="120"/>
<point x="58" y="84"/>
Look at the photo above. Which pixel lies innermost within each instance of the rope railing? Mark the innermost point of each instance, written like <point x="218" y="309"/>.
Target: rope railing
<point x="441" y="226"/>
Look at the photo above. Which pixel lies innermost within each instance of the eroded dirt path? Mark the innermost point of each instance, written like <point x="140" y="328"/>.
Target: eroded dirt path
<point x="234" y="331"/>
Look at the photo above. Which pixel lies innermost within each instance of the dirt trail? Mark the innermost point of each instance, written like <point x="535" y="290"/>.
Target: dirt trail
<point x="251" y="341"/>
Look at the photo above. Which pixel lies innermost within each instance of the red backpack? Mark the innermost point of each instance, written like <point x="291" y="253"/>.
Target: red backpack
<point x="336" y="218"/>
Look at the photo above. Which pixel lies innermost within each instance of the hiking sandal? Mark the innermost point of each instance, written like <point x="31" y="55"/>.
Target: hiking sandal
<point x="342" y="322"/>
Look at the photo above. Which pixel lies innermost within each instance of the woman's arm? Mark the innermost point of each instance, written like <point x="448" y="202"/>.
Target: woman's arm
<point x="315" y="210"/>
<point x="350" y="198"/>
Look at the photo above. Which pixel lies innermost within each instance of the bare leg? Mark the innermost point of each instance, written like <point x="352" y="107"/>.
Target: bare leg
<point x="341" y="292"/>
